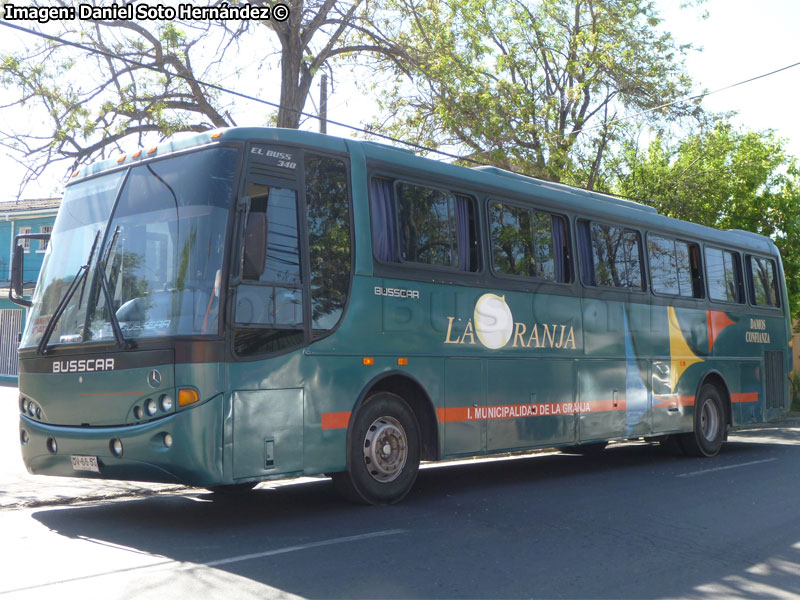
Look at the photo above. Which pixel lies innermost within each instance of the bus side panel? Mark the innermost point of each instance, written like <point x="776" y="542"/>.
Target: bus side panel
<point x="465" y="386"/>
<point x="546" y="387"/>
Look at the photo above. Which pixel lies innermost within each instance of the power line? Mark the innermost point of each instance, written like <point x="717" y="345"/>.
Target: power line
<point x="681" y="100"/>
<point x="467" y="159"/>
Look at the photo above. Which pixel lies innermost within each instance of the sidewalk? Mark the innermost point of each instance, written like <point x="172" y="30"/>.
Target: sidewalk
<point x="20" y="489"/>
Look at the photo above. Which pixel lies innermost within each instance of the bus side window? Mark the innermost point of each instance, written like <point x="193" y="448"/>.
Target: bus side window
<point x="673" y="267"/>
<point x="722" y="272"/>
<point x="328" y="218"/>
<point x="762" y="282"/>
<point x="610" y="256"/>
<point x="528" y="243"/>
<point x="268" y="311"/>
<point x="417" y="224"/>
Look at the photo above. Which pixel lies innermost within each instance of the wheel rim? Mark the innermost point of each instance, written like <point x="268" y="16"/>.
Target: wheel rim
<point x="385" y="449"/>
<point x="709" y="420"/>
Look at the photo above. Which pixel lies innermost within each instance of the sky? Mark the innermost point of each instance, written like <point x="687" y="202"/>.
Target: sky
<point x="740" y="39"/>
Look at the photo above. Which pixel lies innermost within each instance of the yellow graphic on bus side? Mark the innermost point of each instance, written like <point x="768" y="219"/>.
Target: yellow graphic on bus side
<point x="681" y="356"/>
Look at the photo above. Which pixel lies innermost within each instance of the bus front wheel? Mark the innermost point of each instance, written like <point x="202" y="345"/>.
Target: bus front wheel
<point x="709" y="424"/>
<point x="383" y="454"/>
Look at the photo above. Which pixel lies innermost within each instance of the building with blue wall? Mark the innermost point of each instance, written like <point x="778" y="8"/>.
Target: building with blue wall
<point x="23" y="216"/>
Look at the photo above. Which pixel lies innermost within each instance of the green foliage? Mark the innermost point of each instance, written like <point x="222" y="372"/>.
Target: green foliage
<point x="722" y="178"/>
<point x="528" y="86"/>
<point x="92" y="103"/>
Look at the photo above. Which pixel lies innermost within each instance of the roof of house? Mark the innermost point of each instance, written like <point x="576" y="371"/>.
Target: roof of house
<point x="35" y="204"/>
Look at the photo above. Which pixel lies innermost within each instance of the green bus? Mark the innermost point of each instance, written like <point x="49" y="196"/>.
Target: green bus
<point x="250" y="304"/>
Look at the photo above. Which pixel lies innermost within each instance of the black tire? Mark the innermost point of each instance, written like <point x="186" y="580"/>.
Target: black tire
<point x="233" y="489"/>
<point x="709" y="424"/>
<point x="383" y="452"/>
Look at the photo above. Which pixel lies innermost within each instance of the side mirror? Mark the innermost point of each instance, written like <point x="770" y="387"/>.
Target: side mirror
<point x="15" y="291"/>
<point x="15" y="288"/>
<point x="255" y="245"/>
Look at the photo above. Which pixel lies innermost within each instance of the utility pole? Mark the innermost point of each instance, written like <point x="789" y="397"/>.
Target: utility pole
<point x="323" y="104"/>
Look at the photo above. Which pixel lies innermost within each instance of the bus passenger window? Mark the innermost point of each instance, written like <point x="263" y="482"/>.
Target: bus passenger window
<point x="610" y="256"/>
<point x="671" y="269"/>
<point x="416" y="224"/>
<point x="763" y="284"/>
<point x="427" y="225"/>
<point x="527" y="243"/>
<point x="722" y="272"/>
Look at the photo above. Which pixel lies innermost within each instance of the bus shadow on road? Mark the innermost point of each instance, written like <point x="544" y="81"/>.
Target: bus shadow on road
<point x="270" y="534"/>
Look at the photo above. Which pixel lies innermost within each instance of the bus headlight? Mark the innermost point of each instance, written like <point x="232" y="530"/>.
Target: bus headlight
<point x="166" y="402"/>
<point x="151" y="407"/>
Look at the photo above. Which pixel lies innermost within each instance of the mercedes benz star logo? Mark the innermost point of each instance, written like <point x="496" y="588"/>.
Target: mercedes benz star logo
<point x="154" y="378"/>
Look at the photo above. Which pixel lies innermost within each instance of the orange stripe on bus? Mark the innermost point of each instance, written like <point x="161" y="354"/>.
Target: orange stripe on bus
<point x="338" y="420"/>
<point x="518" y="411"/>
<point x="747" y="397"/>
<point x="672" y="401"/>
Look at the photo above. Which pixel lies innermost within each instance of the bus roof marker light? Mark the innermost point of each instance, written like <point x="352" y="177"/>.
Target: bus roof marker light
<point x="75" y="174"/>
<point x="402" y="362"/>
<point x="136" y="154"/>
<point x="216" y="135"/>
<point x="153" y="149"/>
<point x="187" y="396"/>
<point x="122" y="158"/>
<point x="368" y="361"/>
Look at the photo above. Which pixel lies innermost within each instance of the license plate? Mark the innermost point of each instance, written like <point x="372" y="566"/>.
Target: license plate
<point x="85" y="463"/>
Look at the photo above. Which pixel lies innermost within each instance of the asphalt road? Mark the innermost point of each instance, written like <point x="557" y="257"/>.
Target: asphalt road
<point x="634" y="522"/>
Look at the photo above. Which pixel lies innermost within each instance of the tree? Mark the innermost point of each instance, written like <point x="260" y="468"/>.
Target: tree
<point x="146" y="78"/>
<point x="92" y="105"/>
<point x="315" y="32"/>
<point x="530" y="86"/>
<point x="722" y="178"/>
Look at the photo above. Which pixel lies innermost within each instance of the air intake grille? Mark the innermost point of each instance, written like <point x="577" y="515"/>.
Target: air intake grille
<point x="773" y="367"/>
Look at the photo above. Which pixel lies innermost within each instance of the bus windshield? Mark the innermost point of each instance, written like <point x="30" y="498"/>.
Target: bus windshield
<point x="153" y="241"/>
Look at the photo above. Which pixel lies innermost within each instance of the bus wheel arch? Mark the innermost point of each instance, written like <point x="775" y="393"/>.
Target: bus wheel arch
<point x="716" y="379"/>
<point x="410" y="390"/>
<point x="392" y="427"/>
<point x="712" y="416"/>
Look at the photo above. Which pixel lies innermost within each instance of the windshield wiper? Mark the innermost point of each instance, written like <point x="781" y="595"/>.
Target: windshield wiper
<point x="62" y="305"/>
<point x="121" y="340"/>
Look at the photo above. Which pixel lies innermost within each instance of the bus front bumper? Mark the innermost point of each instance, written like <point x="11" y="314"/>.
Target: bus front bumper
<point x="185" y="448"/>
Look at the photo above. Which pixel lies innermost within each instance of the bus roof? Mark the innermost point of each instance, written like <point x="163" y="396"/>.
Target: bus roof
<point x="488" y="178"/>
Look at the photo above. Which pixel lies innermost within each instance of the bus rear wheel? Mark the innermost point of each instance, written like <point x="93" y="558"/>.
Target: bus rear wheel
<point x="709" y="424"/>
<point x="383" y="453"/>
